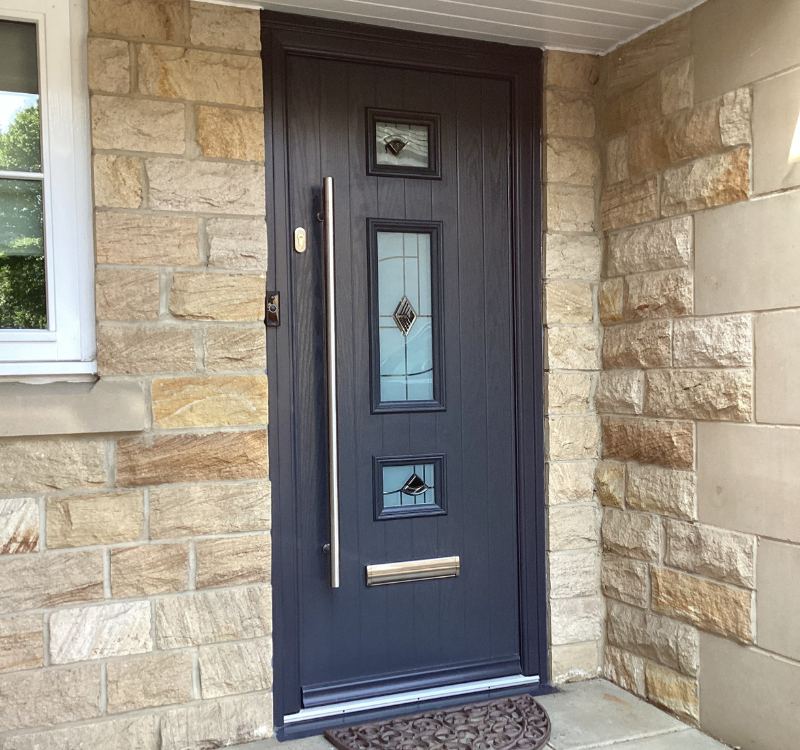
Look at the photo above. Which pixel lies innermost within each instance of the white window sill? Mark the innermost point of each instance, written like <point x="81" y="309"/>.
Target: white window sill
<point x="33" y="369"/>
<point x="72" y="408"/>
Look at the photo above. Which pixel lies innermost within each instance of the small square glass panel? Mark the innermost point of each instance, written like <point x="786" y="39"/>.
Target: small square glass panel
<point x="407" y="486"/>
<point x="401" y="145"/>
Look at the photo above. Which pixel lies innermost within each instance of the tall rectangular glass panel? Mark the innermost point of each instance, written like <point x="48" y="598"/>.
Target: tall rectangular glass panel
<point x="405" y="311"/>
<point x="23" y="294"/>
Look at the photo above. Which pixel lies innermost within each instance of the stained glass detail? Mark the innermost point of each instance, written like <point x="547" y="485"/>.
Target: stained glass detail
<point x="405" y="316"/>
<point x="412" y="484"/>
<point x="401" y="145"/>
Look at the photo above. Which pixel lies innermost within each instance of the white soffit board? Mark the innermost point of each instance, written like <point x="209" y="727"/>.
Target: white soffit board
<point x="595" y="26"/>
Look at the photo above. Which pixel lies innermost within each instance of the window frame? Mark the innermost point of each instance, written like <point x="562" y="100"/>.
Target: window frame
<point x="67" y="346"/>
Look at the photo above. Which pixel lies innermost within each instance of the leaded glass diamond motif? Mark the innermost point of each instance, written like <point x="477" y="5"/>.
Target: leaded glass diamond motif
<point x="404" y="315"/>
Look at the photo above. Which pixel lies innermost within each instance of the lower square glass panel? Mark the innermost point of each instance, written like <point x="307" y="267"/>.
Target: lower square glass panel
<point x="409" y="486"/>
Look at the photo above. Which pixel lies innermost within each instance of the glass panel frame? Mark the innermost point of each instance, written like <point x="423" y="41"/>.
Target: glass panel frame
<point x="436" y="464"/>
<point x="434" y="231"/>
<point x="430" y="121"/>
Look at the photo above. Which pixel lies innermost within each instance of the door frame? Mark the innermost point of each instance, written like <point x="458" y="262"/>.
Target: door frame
<point x="283" y="34"/>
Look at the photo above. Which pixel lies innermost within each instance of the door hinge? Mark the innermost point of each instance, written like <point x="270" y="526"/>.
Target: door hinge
<point x="273" y="317"/>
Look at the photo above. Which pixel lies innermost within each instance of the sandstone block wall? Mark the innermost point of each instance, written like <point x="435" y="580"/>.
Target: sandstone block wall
<point x="572" y="265"/>
<point x="699" y="214"/>
<point x="135" y="606"/>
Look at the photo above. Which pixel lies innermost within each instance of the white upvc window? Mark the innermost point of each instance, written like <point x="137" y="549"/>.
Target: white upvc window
<point x="46" y="248"/>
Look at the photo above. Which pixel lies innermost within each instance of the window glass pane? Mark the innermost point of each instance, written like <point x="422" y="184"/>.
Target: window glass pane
<point x="20" y="131"/>
<point x="405" y="310"/>
<point x="22" y="276"/>
<point x="401" y="145"/>
<point x="412" y="484"/>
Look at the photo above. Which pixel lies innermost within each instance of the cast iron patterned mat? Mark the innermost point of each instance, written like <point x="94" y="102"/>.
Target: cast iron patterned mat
<point x="516" y="723"/>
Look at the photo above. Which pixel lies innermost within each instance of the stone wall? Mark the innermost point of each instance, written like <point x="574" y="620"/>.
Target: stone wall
<point x="700" y="236"/>
<point x="572" y="263"/>
<point x="135" y="607"/>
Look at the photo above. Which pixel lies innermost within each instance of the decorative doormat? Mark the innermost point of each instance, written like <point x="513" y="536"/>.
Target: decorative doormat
<point x="516" y="723"/>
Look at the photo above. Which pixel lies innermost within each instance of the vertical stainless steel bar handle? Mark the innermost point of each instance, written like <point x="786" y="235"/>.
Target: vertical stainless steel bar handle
<point x="333" y="410"/>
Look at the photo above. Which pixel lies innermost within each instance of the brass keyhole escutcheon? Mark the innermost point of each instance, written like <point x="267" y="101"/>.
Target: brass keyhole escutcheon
<point x="300" y="240"/>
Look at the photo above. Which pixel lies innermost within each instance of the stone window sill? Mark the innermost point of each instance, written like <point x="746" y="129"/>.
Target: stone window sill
<point x="71" y="408"/>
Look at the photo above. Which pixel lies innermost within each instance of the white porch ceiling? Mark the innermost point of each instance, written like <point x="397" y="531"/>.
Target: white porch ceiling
<point x="595" y="26"/>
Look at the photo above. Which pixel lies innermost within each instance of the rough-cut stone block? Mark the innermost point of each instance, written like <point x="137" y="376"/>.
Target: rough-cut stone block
<point x="617" y="169"/>
<point x="44" y="465"/>
<point x="569" y="114"/>
<point x="674" y="692"/>
<point x="131" y="350"/>
<point x="117" y="181"/>
<point x="626" y="580"/>
<point x="610" y="483"/>
<point x="570" y="208"/>
<point x="138" y="239"/>
<point x="81" y="520"/>
<point x="149" y="681"/>
<point x="576" y="620"/>
<point x="694" y="133"/>
<point x="215" y="616"/>
<point x="573" y="256"/>
<point x="197" y="75"/>
<point x="715" y="180"/>
<point x="206" y="187"/>
<point x="229" y="721"/>
<point x="19" y="525"/>
<point x="21" y="643"/>
<point x="640" y="345"/>
<point x="191" y="458"/>
<point x="573" y="574"/>
<point x="35" y="698"/>
<point x="230" y="133"/>
<point x="568" y="392"/>
<point x="609" y="300"/>
<point x="235" y="668"/>
<point x="648" y="53"/>
<point x="140" y="732"/>
<point x="572" y="527"/>
<point x="648" y="148"/>
<point x="735" y="117"/>
<point x="715" y="553"/>
<point x="209" y="509"/>
<point x="655" y="247"/>
<point x="233" y="561"/>
<point x="662" y="294"/>
<point x="663" y="491"/>
<point x="573" y="348"/>
<point x="726" y="341"/>
<point x="649" y="441"/>
<point x="99" y="632"/>
<point x="569" y="302"/>
<point x="574" y="662"/>
<point x="217" y="296"/>
<point x="630" y="202"/>
<point x="235" y="348"/>
<point x="49" y="580"/>
<point x="677" y="86"/>
<point x="666" y="641"/>
<point x="631" y="108"/>
<point x="128" y="295"/>
<point x="149" y="570"/>
<point x="237" y="243"/>
<point x="636" y="535"/>
<point x="722" y="395"/>
<point x="204" y="401"/>
<point x="570" y="482"/>
<point x="573" y="438"/>
<point x="568" y="70"/>
<point x="162" y="20"/>
<point x="109" y="66"/>
<point x="619" y="392"/>
<point x="571" y="161"/>
<point x="227" y="27"/>
<point x="710" y="606"/>
<point x="625" y="670"/>
<point x="138" y="125"/>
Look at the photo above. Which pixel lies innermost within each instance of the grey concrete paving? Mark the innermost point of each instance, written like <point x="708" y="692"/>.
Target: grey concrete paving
<point x="585" y="715"/>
